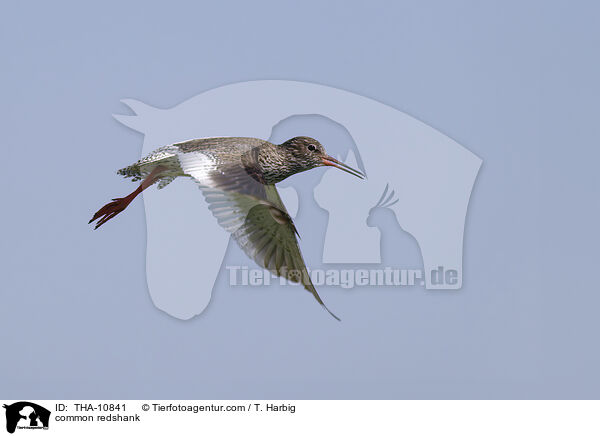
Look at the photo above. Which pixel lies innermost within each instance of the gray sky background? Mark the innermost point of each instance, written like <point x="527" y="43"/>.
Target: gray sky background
<point x="514" y="82"/>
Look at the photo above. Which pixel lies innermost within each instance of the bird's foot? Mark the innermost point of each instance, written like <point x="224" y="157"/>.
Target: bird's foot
<point x="110" y="210"/>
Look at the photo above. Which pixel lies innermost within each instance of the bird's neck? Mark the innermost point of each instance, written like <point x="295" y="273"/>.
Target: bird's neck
<point x="273" y="163"/>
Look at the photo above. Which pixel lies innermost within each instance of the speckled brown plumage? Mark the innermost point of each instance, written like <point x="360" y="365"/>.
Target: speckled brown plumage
<point x="237" y="177"/>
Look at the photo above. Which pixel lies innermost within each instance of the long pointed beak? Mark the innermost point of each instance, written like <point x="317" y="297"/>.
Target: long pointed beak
<point x="332" y="162"/>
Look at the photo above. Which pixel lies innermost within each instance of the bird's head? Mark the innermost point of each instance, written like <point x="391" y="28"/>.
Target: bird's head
<point x="308" y="153"/>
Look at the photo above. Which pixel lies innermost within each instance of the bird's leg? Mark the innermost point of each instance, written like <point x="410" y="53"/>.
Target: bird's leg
<point x="118" y="205"/>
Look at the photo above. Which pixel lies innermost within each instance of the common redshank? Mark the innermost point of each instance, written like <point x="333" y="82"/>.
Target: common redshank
<point x="237" y="177"/>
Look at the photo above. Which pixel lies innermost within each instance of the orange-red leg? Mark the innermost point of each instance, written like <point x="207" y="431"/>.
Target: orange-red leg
<point x="118" y="205"/>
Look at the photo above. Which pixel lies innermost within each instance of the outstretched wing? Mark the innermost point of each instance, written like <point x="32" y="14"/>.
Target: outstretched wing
<point x="268" y="236"/>
<point x="252" y="212"/>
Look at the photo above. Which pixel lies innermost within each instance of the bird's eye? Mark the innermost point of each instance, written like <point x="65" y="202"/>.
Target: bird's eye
<point x="311" y="147"/>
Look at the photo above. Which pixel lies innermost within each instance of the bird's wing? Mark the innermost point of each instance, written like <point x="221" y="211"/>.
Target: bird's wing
<point x="254" y="215"/>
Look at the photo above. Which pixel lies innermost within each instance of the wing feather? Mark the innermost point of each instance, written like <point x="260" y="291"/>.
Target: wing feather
<point x="252" y="212"/>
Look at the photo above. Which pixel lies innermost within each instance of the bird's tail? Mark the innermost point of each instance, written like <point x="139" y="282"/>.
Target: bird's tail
<point x="132" y="171"/>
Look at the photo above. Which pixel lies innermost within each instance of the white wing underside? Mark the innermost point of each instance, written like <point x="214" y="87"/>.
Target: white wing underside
<point x="253" y="213"/>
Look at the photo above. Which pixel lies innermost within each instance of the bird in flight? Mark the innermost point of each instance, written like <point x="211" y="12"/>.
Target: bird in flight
<point x="237" y="177"/>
